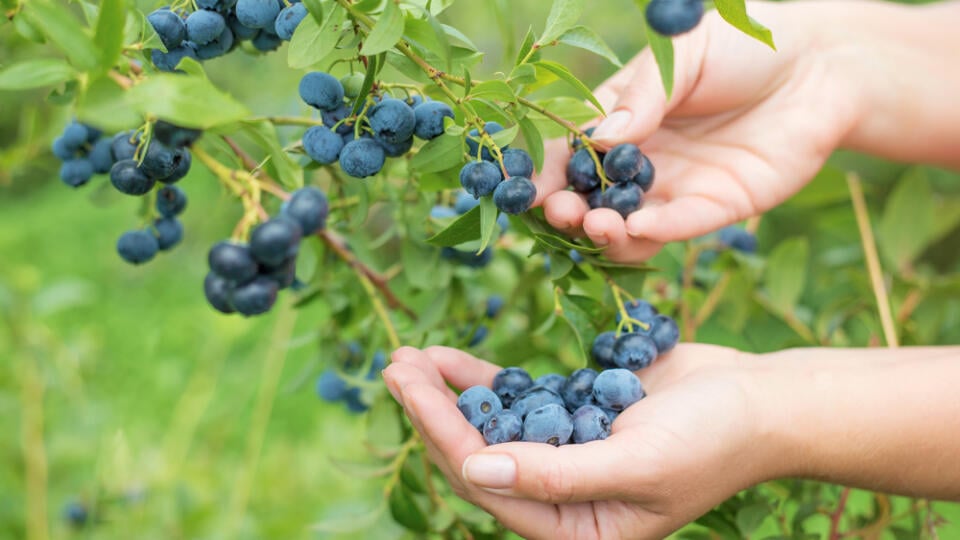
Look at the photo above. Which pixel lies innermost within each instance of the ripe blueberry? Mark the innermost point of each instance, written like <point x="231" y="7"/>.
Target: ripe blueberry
<point x="616" y="389"/>
<point x="640" y="310"/>
<point x="595" y="198"/>
<point x="392" y="120"/>
<point x="625" y="198"/>
<point x="76" y="172"/>
<point x="602" y="350"/>
<point x="171" y="201"/>
<point x="101" y="157"/>
<point x="330" y="386"/>
<point x="255" y="297"/>
<point x="181" y="167"/>
<point x="322" y="145"/>
<point x="473" y="144"/>
<point x="124" y="145"/>
<point x="582" y="172"/>
<point x="169" y="232"/>
<point x="233" y="262"/>
<point x="204" y="26"/>
<point x="159" y="161"/>
<point x="218" y="291"/>
<point x="284" y="274"/>
<point x="169" y="26"/>
<point x="396" y="149"/>
<point x="257" y="13"/>
<point x="266" y="41"/>
<point x="622" y="163"/>
<point x="61" y="150"/>
<point x="634" y="351"/>
<point x="465" y="202"/>
<point x="321" y="90"/>
<point x="553" y="381"/>
<point x="308" y="207"/>
<point x="509" y="383"/>
<point x="429" y="119"/>
<point x="137" y="247"/>
<point x="274" y="240"/>
<point x="644" y="178"/>
<point x="219" y="46"/>
<point x="74" y="135"/>
<point x="534" y="398"/>
<point x="515" y="195"/>
<point x="590" y="423"/>
<point x="480" y="178"/>
<point x="664" y="333"/>
<point x="738" y="239"/>
<point x="130" y="179"/>
<point x="577" y="144"/>
<point x="361" y="158"/>
<point x="443" y="212"/>
<point x="494" y="305"/>
<point x="240" y="32"/>
<point x="478" y="336"/>
<point x="517" y="162"/>
<point x="336" y="118"/>
<point x="549" y="424"/>
<point x="478" y="404"/>
<point x="288" y="20"/>
<point x="578" y="388"/>
<point x="167" y="61"/>
<point x="354" y="401"/>
<point x="674" y="17"/>
<point x="505" y="426"/>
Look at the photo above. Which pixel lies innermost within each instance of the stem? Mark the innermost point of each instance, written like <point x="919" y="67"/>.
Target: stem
<point x="837" y="514"/>
<point x="397" y="464"/>
<point x="291" y="120"/>
<point x="34" y="451"/>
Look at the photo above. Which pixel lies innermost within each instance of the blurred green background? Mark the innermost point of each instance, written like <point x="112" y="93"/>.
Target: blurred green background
<point x="124" y="392"/>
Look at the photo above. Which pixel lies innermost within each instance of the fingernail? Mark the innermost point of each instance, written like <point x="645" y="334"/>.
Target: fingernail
<point x="490" y="471"/>
<point x="613" y="126"/>
<point x="600" y="240"/>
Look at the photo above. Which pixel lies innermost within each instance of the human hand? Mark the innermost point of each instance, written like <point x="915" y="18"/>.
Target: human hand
<point x="745" y="128"/>
<point x="694" y="441"/>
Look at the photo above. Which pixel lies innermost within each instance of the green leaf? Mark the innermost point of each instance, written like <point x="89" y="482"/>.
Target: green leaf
<point x="315" y="7"/>
<point x="185" y="101"/>
<point x="102" y="103"/>
<point x="406" y="510"/>
<point x="787" y="273"/>
<point x="506" y="136"/>
<point x="525" y="46"/>
<point x="289" y="173"/>
<point x="564" y="74"/>
<point x="343" y="524"/>
<point x="488" y="221"/>
<point x="563" y="15"/>
<point x="750" y="517"/>
<point x="373" y="67"/>
<point x="464" y="229"/>
<point x="907" y="226"/>
<point x="440" y="154"/>
<point x="735" y="13"/>
<point x="108" y="37"/>
<point x="384" y="430"/>
<point x="386" y="32"/>
<point x="662" y="48"/>
<point x="531" y="135"/>
<point x="312" y="41"/>
<point x="494" y="89"/>
<point x="60" y="27"/>
<point x="26" y="29"/>
<point x="585" y="38"/>
<point x="523" y="74"/>
<point x="580" y="322"/>
<point x="571" y="109"/>
<point x="35" y="73"/>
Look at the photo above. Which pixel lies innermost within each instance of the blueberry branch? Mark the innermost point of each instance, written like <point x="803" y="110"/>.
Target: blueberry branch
<point x="291" y="120"/>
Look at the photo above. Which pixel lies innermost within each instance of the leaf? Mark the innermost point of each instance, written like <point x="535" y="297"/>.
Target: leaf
<point x="564" y="74"/>
<point x="185" y="101"/>
<point x="35" y="73"/>
<point x="506" y="136"/>
<point x="440" y="154"/>
<point x="585" y="38"/>
<point x="523" y="74"/>
<point x="60" y="27"/>
<point x="907" y="225"/>
<point x="464" y="229"/>
<point x="494" y="89"/>
<point x="312" y="41"/>
<point x="288" y="171"/>
<point x="580" y="322"/>
<point x="406" y="510"/>
<point x="488" y="222"/>
<point x="315" y="7"/>
<point x="662" y="48"/>
<point x="735" y="13"/>
<point x="103" y="104"/>
<point x="787" y="273"/>
<point x="350" y="523"/>
<point x="568" y="108"/>
<point x="531" y="135"/>
<point x="384" y="430"/>
<point x="525" y="46"/>
<point x="373" y="67"/>
<point x="108" y="37"/>
<point x="750" y="517"/>
<point x="563" y="15"/>
<point x="386" y="32"/>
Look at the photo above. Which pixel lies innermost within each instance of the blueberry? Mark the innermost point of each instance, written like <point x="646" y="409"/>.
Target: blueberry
<point x="74" y="135"/>
<point x="61" y="150"/>
<point x="288" y="20"/>
<point x="159" y="161"/>
<point x="321" y="90"/>
<point x="274" y="240"/>
<point x="622" y="163"/>
<point x="590" y="423"/>
<point x="255" y="297"/>
<point x="640" y="310"/>
<point x="354" y="401"/>
<point x="576" y="141"/>
<point x="503" y="222"/>
<point x="284" y="274"/>
<point x="674" y="17"/>
<point x="582" y="172"/>
<point x="377" y="363"/>
<point x="611" y="414"/>
<point x="130" y="179"/>
<point x="473" y="144"/>
<point x="204" y="26"/>
<point x="443" y="212"/>
<point x="549" y="424"/>
<point x="478" y="404"/>
<point x="218" y="291"/>
<point x="578" y="388"/>
<point x="330" y="386"/>
<point x="309" y="208"/>
<point x="413" y="101"/>
<point x="517" y="162"/>
<point x="505" y="426"/>
<point x="174" y="136"/>
<point x="92" y="133"/>
<point x="257" y="13"/>
<point x="233" y="262"/>
<point x="478" y="336"/>
<point x="124" y="145"/>
<point x="101" y="157"/>
<point x="553" y="381"/>
<point x="595" y="198"/>
<point x="602" y="350"/>
<point x="509" y="383"/>
<point x="644" y="178"/>
<point x="76" y="514"/>
<point x="361" y="158"/>
<point x="494" y="305"/>
<point x="322" y="145"/>
<point x="76" y="172"/>
<point x="167" y="61"/>
<point x="634" y="351"/>
<point x="169" y="232"/>
<point x="137" y="247"/>
<point x="429" y="119"/>
<point x="392" y="120"/>
<point x="396" y="149"/>
<point x="664" y="333"/>
<point x="219" y="46"/>
<point x="575" y="256"/>
<point x="182" y="161"/>
<point x="352" y="84"/>
<point x="465" y="202"/>
<point x="617" y="389"/>
<point x="265" y="41"/>
<point x="738" y="239"/>
<point x="624" y="198"/>
<point x="480" y="178"/>
<point x="169" y="26"/>
<point x="240" y="32"/>
<point x="515" y="195"/>
<point x="534" y="398"/>
<point x="338" y="117"/>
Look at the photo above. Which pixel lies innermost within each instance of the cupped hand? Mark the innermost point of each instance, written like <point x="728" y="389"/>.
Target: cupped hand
<point x="695" y="440"/>
<point x="745" y="128"/>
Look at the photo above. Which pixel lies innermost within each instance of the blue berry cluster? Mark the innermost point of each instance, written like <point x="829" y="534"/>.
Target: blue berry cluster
<point x="219" y="26"/>
<point x="509" y="184"/>
<point x="674" y="17"/>
<point x="84" y="152"/>
<point x="334" y="388"/>
<point x="630" y="171"/>
<point x="639" y="348"/>
<point x="463" y="204"/>
<point x="730" y="237"/>
<point x="362" y="143"/>
<point x="246" y="277"/>
<point x="550" y="409"/>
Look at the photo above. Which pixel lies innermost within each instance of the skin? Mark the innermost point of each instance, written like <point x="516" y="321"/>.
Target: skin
<point x="745" y="129"/>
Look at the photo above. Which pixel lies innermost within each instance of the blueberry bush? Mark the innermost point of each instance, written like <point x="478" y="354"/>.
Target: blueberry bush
<point x="259" y="199"/>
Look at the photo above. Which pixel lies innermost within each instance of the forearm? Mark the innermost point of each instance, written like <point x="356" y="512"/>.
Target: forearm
<point x="907" y="61"/>
<point x="880" y="419"/>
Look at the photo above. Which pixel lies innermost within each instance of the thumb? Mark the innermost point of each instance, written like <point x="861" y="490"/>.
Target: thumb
<point x="570" y="473"/>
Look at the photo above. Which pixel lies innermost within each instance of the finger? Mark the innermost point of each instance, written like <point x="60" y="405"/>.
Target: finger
<point x="556" y="475"/>
<point x="553" y="177"/>
<point x="399" y="375"/>
<point x="605" y="227"/>
<point x="564" y="210"/>
<point x="461" y="369"/>
<point x="685" y="217"/>
<point x="415" y="357"/>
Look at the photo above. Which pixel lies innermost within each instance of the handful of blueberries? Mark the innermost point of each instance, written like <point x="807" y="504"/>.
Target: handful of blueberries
<point x="625" y="165"/>
<point x="512" y="190"/>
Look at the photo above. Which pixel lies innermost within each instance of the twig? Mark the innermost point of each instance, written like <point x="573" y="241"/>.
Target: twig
<point x="837" y="514"/>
